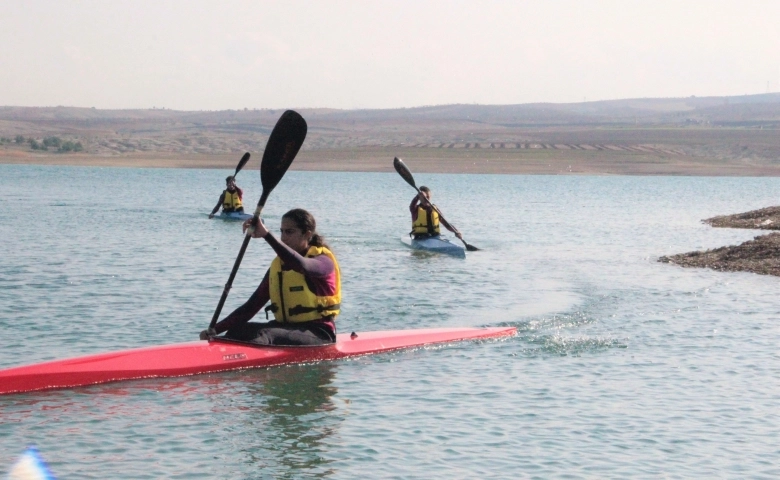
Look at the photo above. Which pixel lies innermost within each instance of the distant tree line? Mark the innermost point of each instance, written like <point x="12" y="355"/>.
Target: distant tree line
<point x="53" y="143"/>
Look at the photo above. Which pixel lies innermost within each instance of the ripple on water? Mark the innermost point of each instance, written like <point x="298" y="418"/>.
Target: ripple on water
<point x="622" y="367"/>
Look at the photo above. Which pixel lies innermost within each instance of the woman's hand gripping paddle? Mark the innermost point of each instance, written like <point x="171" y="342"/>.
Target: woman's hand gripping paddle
<point x="406" y="174"/>
<point x="283" y="144"/>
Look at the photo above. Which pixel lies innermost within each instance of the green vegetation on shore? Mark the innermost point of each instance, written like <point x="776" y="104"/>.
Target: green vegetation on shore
<point x="54" y="143"/>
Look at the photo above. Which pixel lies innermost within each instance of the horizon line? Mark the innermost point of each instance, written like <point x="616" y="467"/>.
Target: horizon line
<point x="247" y="109"/>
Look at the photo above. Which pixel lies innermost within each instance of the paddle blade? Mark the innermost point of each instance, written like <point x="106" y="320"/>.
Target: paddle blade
<point x="241" y="163"/>
<point x="404" y="171"/>
<point x="470" y="247"/>
<point x="282" y="147"/>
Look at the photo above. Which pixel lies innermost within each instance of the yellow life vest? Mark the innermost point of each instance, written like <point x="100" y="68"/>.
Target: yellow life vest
<point x="232" y="201"/>
<point x="291" y="298"/>
<point x="424" y="225"/>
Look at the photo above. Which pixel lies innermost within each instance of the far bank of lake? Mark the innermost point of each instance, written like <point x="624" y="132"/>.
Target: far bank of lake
<point x="537" y="159"/>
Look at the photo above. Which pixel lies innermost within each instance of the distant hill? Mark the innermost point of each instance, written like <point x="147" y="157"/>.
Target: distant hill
<point x="686" y="125"/>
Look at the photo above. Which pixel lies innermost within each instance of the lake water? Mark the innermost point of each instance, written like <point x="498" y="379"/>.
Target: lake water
<point x="622" y="366"/>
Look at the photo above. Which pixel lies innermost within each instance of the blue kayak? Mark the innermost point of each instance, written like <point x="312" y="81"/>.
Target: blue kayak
<point x="436" y="244"/>
<point x="234" y="216"/>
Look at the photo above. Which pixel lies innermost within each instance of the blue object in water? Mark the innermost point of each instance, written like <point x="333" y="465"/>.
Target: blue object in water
<point x="235" y="216"/>
<point x="436" y="244"/>
<point x="30" y="466"/>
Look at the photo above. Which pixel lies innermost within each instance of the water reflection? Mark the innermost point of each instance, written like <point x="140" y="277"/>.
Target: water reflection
<point x="294" y="422"/>
<point x="262" y="423"/>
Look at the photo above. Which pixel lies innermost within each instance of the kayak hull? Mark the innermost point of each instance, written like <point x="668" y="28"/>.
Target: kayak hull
<point x="437" y="244"/>
<point x="219" y="355"/>
<point x="237" y="216"/>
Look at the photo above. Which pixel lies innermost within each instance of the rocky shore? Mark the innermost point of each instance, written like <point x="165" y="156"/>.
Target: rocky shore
<point x="762" y="219"/>
<point x="760" y="255"/>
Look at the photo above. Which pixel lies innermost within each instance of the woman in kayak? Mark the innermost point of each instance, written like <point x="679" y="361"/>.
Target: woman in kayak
<point x="425" y="216"/>
<point x="231" y="198"/>
<point x="303" y="285"/>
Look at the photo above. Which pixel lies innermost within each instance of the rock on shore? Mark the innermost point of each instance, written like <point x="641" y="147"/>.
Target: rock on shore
<point x="762" y="219"/>
<point x="760" y="255"/>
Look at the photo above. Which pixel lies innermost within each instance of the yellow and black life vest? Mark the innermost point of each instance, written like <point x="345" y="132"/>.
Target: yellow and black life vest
<point x="425" y="224"/>
<point x="232" y="201"/>
<point x="291" y="298"/>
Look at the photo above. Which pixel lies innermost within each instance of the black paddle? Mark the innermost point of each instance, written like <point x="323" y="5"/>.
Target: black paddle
<point x="406" y="174"/>
<point x="283" y="144"/>
<point x="241" y="164"/>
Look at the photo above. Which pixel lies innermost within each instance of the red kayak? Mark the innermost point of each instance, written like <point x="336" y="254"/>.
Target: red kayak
<point x="218" y="355"/>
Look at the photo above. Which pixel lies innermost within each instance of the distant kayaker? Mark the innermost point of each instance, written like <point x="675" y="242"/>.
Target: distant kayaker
<point x="231" y="198"/>
<point x="303" y="285"/>
<point x="425" y="216"/>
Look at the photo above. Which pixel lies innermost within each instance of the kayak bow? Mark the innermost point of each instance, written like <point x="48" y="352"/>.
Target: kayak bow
<point x="219" y="355"/>
<point x="435" y="244"/>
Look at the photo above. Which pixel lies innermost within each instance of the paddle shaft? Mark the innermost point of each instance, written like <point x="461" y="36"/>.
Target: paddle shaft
<point x="441" y="217"/>
<point x="283" y="144"/>
<point x="229" y="283"/>
<point x="237" y="263"/>
<point x="447" y="224"/>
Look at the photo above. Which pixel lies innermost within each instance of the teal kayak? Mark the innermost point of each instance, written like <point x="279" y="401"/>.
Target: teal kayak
<point x="234" y="216"/>
<point x="435" y="244"/>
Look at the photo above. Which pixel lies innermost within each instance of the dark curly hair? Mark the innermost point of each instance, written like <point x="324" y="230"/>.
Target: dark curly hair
<point x="306" y="223"/>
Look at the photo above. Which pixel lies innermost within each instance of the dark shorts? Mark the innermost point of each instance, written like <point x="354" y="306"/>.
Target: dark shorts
<point x="275" y="333"/>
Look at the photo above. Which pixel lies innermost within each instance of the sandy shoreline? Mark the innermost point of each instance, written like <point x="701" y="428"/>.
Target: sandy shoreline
<point x="428" y="160"/>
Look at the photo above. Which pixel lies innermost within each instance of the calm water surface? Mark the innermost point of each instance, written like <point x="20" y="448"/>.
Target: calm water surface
<point x="623" y="367"/>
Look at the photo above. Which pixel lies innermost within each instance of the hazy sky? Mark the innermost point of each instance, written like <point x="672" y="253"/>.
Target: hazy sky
<point x="197" y="54"/>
